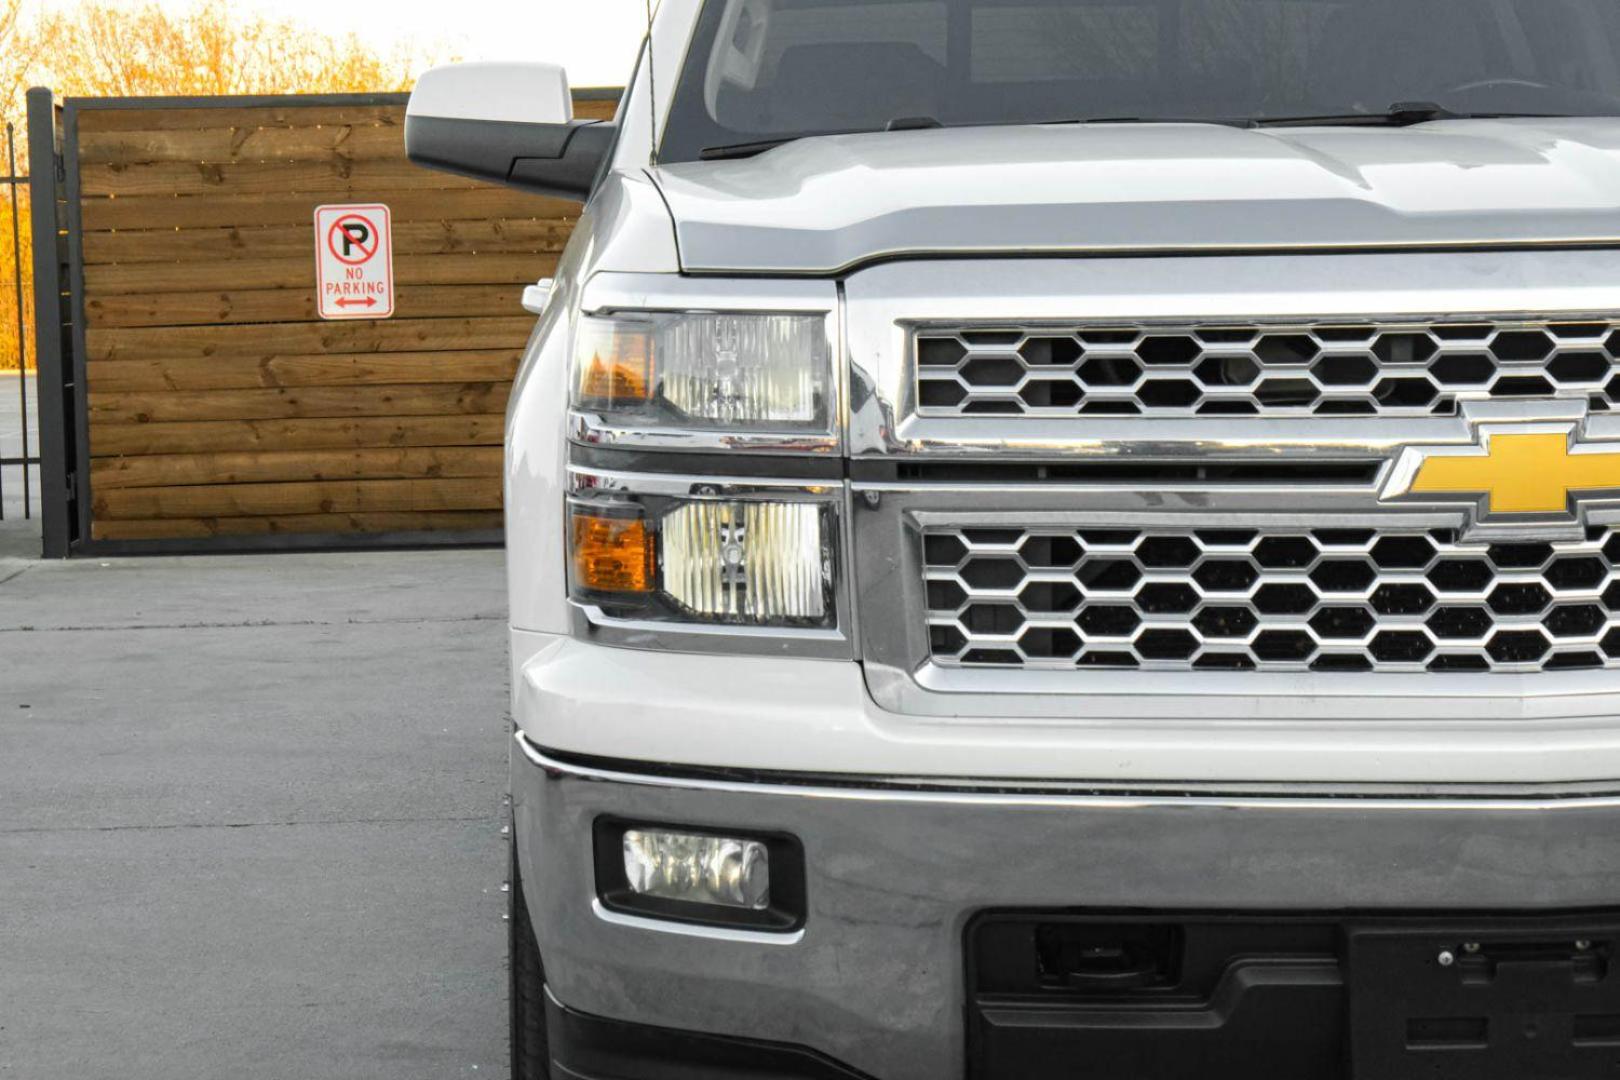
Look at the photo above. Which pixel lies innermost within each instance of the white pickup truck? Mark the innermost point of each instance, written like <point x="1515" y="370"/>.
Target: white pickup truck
<point x="1068" y="540"/>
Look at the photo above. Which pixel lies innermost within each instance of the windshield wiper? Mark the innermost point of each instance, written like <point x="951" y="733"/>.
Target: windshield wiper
<point x="1400" y="114"/>
<point x="746" y="149"/>
<point x="759" y="146"/>
<point x="1082" y="121"/>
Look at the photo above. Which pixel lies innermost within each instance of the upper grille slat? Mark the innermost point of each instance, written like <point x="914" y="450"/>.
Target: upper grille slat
<point x="1261" y="369"/>
<point x="1325" y="599"/>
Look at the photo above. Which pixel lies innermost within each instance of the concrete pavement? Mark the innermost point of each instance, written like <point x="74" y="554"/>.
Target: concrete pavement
<point x="12" y="389"/>
<point x="249" y="816"/>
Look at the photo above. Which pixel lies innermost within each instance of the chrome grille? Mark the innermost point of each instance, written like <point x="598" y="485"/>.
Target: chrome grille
<point x="1325" y="599"/>
<point x="1362" y="369"/>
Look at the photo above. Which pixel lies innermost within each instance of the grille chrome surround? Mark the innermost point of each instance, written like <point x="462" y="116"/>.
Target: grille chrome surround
<point x="1301" y="599"/>
<point x="1310" y="369"/>
<point x="914" y="465"/>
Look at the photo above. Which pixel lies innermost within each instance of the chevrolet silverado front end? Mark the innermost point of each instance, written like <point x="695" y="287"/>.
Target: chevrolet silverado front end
<point x="1058" y="540"/>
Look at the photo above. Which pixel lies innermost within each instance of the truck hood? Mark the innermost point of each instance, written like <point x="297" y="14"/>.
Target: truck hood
<point x="823" y="205"/>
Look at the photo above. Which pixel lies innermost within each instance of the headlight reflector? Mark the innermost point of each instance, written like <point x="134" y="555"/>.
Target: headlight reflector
<point x="754" y="561"/>
<point x="707" y="370"/>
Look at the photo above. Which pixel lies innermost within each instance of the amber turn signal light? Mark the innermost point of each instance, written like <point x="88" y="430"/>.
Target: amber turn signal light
<point x="615" y="366"/>
<point x="612" y="553"/>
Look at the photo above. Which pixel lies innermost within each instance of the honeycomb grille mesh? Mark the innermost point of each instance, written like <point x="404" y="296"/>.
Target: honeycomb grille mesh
<point x="1241" y="599"/>
<point x="1261" y="370"/>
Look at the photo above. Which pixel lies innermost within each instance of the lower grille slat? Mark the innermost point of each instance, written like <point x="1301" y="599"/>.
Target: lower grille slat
<point x="1327" y="599"/>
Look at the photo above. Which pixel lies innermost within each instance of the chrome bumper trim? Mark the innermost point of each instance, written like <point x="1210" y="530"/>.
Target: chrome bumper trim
<point x="939" y="793"/>
<point x="692" y="930"/>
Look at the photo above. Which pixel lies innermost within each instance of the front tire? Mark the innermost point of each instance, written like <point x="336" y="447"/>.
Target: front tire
<point x="531" y="1058"/>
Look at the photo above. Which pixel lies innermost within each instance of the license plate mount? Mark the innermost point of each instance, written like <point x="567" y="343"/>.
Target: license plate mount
<point x="1497" y="1000"/>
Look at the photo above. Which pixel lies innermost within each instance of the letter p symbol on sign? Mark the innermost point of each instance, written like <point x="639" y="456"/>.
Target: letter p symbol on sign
<point x="356" y="235"/>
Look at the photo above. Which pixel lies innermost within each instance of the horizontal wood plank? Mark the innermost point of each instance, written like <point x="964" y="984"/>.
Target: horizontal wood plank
<point x="300" y="273"/>
<point x="201" y="117"/>
<point x="402" y="521"/>
<point x="487" y="236"/>
<point x="219" y="436"/>
<point x="223" y="210"/>
<point x="293" y="115"/>
<point x="595" y="110"/>
<point x="314" y="497"/>
<point x="414" y="399"/>
<point x="351" y="140"/>
<point x="127" y="376"/>
<point x="258" y="467"/>
<point x="291" y="305"/>
<point x="281" y="339"/>
<point x="338" y="180"/>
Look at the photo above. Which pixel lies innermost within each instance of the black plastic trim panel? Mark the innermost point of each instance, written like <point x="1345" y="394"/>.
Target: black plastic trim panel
<point x="551" y="159"/>
<point x="590" y="1048"/>
<point x="1187" y="472"/>
<point x="1333" y="996"/>
<point x="775" y="467"/>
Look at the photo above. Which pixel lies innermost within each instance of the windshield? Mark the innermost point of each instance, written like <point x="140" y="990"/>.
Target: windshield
<point x="764" y="70"/>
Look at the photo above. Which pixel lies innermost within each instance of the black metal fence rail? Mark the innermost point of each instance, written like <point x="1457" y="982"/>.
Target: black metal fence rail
<point x="27" y="460"/>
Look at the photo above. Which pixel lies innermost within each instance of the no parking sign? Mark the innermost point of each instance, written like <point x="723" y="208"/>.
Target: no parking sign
<point x="354" y="261"/>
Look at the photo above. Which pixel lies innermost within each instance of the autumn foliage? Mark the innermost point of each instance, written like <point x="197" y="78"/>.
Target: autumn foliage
<point x="16" y="61"/>
<point x="102" y="50"/>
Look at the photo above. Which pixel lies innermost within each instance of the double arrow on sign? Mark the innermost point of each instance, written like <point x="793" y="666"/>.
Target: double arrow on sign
<point x="370" y="301"/>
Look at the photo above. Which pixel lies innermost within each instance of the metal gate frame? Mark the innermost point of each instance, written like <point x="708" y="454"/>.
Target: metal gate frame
<point x="64" y="435"/>
<point x="12" y="180"/>
<point x="53" y="318"/>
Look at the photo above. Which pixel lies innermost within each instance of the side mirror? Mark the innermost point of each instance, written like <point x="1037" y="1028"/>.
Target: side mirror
<point x="512" y="123"/>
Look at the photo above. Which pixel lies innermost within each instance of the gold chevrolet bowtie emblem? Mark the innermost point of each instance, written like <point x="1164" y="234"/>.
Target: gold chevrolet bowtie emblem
<point x="1530" y="473"/>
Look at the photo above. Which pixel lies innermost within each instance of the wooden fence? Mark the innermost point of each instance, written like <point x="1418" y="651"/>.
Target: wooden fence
<point x="215" y="404"/>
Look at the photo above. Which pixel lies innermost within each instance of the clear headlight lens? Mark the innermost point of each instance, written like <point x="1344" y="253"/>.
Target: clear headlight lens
<point x="753" y="562"/>
<point x="698" y="869"/>
<point x="706" y="370"/>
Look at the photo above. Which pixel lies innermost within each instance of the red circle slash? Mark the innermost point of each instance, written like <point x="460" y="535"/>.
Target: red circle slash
<point x="349" y="234"/>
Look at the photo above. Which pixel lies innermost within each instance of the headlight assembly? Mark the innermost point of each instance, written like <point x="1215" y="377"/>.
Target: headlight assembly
<point x="744" y="562"/>
<point x="706" y="371"/>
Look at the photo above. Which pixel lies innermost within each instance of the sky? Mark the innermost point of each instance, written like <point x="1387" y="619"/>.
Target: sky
<point x="595" y="40"/>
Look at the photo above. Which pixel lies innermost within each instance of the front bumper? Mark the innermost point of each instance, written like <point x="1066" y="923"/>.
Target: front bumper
<point x="876" y="980"/>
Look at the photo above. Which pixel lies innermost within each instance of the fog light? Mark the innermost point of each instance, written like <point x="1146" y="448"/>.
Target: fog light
<point x="715" y="870"/>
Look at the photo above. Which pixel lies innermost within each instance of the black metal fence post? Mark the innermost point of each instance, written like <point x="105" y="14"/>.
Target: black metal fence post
<point x="26" y="460"/>
<point x="55" y="404"/>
